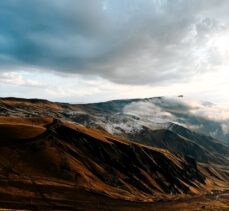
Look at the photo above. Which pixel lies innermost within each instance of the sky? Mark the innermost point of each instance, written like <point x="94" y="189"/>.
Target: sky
<point x="98" y="50"/>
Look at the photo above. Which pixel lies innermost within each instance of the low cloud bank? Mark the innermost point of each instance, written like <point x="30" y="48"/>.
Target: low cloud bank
<point x="199" y="116"/>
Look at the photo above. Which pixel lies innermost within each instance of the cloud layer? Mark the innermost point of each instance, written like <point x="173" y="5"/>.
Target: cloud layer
<point x="203" y="117"/>
<point x="13" y="78"/>
<point x="125" y="41"/>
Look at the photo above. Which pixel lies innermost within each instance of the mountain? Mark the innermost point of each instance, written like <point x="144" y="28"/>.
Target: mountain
<point x="201" y="117"/>
<point x="60" y="155"/>
<point x="45" y="160"/>
<point x="207" y="142"/>
<point x="177" y="144"/>
<point x="139" y="120"/>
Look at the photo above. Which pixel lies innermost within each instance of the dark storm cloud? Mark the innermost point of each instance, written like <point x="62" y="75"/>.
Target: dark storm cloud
<point x="125" y="41"/>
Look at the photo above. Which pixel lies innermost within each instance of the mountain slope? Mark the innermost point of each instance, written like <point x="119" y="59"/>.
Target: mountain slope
<point x="207" y="142"/>
<point x="177" y="144"/>
<point x="98" y="161"/>
<point x="47" y="160"/>
<point x="87" y="159"/>
<point x="120" y="118"/>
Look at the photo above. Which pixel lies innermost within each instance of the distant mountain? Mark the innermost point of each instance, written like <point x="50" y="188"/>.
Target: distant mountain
<point x="154" y="122"/>
<point x="201" y="117"/>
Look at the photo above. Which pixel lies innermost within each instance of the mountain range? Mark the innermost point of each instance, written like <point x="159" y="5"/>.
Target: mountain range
<point x="134" y="150"/>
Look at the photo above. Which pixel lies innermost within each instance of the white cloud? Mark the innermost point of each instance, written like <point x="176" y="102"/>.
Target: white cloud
<point x="199" y="116"/>
<point x="148" y="111"/>
<point x="199" y="108"/>
<point x="15" y="78"/>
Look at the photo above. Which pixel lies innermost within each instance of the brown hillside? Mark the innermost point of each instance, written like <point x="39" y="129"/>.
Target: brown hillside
<point x="53" y="163"/>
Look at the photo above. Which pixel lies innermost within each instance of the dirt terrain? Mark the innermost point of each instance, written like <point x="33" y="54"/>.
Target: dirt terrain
<point x="75" y="199"/>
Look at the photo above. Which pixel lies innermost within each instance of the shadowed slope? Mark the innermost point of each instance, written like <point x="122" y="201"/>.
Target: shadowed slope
<point x="182" y="145"/>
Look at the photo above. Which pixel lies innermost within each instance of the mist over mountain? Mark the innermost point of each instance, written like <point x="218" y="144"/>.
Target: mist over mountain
<point x="202" y="117"/>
